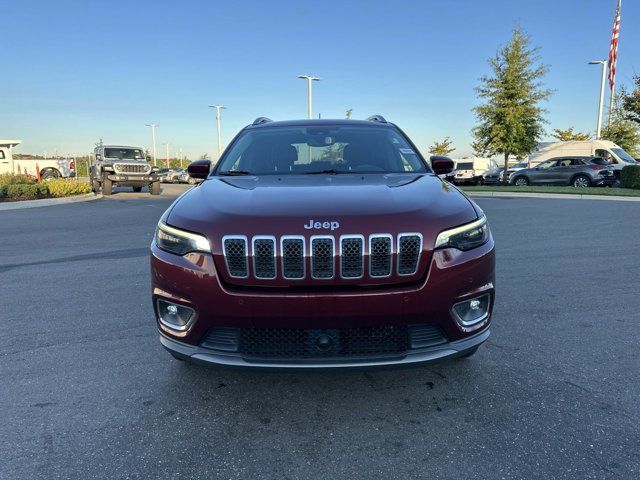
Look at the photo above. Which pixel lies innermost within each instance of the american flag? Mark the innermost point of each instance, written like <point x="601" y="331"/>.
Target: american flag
<point x="613" y="51"/>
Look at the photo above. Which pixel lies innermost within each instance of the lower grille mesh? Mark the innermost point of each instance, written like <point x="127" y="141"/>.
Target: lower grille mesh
<point x="295" y="343"/>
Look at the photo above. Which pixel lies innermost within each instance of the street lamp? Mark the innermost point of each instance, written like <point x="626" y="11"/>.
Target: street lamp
<point x="218" y="108"/>
<point x="310" y="79"/>
<point x="167" y="146"/>
<point x="153" y="137"/>
<point x="601" y="102"/>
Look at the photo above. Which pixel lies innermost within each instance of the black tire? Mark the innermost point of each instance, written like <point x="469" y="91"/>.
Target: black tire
<point x="177" y="357"/>
<point x="49" y="175"/>
<point x="137" y="189"/>
<point x="95" y="185"/>
<point x="521" y="181"/>
<point x="107" y="186"/>
<point x="581" y="181"/>
<point x="154" y="188"/>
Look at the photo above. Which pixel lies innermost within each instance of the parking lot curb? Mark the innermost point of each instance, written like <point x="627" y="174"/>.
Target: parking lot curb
<point x="563" y="196"/>
<point x="48" y="202"/>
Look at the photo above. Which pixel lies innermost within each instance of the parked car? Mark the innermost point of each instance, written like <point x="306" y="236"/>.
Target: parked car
<point x="472" y="170"/>
<point x="115" y="165"/>
<point x="322" y="243"/>
<point x="575" y="171"/>
<point x="517" y="166"/>
<point x="492" y="176"/>
<point x="162" y="174"/>
<point x="177" y="175"/>
<point x="577" y="148"/>
<point x="48" y="169"/>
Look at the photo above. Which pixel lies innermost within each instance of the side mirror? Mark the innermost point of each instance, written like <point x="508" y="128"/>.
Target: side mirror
<point x="441" y="165"/>
<point x="199" y="169"/>
<point x="98" y="157"/>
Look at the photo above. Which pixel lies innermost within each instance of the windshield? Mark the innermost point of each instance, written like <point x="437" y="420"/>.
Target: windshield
<point x="622" y="155"/>
<point x="329" y="149"/>
<point x="464" y="166"/>
<point x="124" y="153"/>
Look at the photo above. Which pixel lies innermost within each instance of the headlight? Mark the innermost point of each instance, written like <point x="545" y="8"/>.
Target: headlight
<point x="465" y="237"/>
<point x="180" y="242"/>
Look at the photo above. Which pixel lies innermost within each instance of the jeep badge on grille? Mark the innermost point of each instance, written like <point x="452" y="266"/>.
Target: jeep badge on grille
<point x="315" y="225"/>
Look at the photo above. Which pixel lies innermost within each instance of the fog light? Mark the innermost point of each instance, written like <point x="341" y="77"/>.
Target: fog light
<point x="472" y="311"/>
<point x="175" y="316"/>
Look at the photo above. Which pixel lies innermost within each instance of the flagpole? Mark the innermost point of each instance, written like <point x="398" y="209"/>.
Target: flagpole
<point x="613" y="57"/>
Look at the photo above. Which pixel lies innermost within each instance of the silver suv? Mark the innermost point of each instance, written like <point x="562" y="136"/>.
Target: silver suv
<point x="116" y="165"/>
<point x="575" y="171"/>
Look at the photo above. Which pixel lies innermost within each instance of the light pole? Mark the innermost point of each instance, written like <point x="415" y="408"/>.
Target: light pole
<point x="167" y="146"/>
<point x="153" y="139"/>
<point x="218" y="108"/>
<point x="601" y="102"/>
<point x="310" y="79"/>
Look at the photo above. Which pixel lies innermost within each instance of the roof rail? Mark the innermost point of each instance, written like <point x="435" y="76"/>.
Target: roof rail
<point x="261" y="120"/>
<point x="376" y="118"/>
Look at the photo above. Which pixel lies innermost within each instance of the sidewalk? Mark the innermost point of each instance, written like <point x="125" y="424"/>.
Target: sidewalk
<point x="48" y="202"/>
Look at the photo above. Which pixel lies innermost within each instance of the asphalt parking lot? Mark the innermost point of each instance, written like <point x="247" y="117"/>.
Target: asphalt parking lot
<point x="87" y="391"/>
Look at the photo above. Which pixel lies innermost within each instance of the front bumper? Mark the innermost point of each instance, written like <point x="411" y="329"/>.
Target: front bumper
<point x="198" y="354"/>
<point x="452" y="276"/>
<point x="132" y="179"/>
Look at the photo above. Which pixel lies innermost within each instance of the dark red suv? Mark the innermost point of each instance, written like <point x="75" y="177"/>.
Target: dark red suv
<point x="322" y="243"/>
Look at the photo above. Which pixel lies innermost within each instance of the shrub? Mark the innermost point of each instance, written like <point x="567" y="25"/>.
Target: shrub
<point x="65" y="187"/>
<point x="12" y="179"/>
<point x="630" y="176"/>
<point x="23" y="191"/>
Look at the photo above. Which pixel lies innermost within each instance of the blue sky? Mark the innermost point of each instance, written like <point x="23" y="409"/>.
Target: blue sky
<point x="77" y="71"/>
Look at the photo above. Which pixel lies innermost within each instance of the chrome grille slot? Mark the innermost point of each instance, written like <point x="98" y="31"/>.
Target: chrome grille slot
<point x="380" y="255"/>
<point x="235" y="255"/>
<point x="322" y="253"/>
<point x="409" y="248"/>
<point x="264" y="257"/>
<point x="351" y="256"/>
<point x="293" y="263"/>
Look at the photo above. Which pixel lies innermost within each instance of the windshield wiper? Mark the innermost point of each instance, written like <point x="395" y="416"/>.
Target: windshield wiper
<point x="233" y="173"/>
<point x="329" y="171"/>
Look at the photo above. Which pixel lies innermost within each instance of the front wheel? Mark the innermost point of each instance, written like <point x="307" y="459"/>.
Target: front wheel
<point x="154" y="189"/>
<point x="107" y="186"/>
<point x="521" y="182"/>
<point x="581" y="181"/>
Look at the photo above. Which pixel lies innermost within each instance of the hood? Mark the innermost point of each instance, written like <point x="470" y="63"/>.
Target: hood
<point x="364" y="204"/>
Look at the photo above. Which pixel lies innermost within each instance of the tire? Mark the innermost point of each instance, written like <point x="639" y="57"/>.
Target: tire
<point x="107" y="186"/>
<point x="180" y="359"/>
<point x="137" y="189"/>
<point x="581" y="181"/>
<point x="49" y="175"/>
<point x="154" y="188"/>
<point x="521" y="181"/>
<point x="95" y="185"/>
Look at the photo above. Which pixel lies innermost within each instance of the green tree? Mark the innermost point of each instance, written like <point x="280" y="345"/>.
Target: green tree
<point x="622" y="131"/>
<point x="569" y="134"/>
<point x="631" y="102"/>
<point x="511" y="118"/>
<point x="481" y="149"/>
<point x="442" y="148"/>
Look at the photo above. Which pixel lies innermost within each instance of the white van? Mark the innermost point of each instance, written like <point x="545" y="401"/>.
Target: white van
<point x="617" y="157"/>
<point x="472" y="169"/>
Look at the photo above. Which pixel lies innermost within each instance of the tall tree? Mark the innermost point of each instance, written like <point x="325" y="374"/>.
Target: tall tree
<point x="442" y="148"/>
<point x="631" y="101"/>
<point x="511" y="117"/>
<point x="569" y="134"/>
<point x="480" y="148"/>
<point x="622" y="131"/>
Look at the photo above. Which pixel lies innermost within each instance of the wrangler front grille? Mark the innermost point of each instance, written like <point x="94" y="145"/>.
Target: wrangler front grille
<point x="127" y="168"/>
<point x="327" y="258"/>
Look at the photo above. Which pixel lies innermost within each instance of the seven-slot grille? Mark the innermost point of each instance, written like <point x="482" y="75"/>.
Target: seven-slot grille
<point x="323" y="249"/>
<point x="128" y="168"/>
